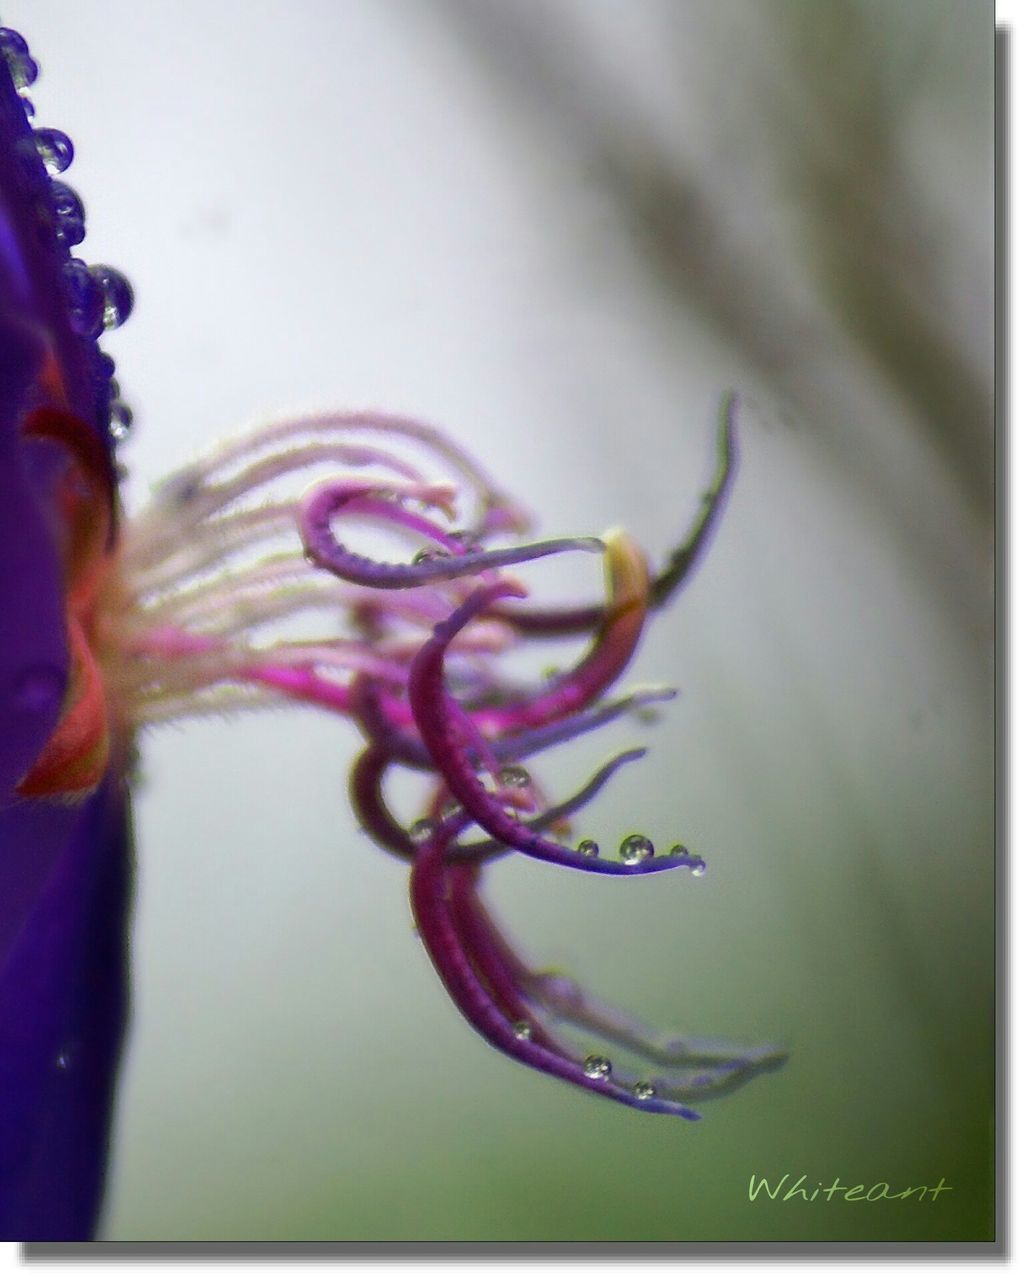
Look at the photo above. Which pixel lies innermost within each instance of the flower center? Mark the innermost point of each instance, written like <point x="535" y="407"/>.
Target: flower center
<point x="208" y="601"/>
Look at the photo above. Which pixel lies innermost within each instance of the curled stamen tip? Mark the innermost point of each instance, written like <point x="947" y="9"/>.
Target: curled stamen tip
<point x="626" y="566"/>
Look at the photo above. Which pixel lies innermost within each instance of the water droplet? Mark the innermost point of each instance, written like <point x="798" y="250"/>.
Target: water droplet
<point x="469" y="539"/>
<point x="39" y="689"/>
<point x="513" y="775"/>
<point x="121" y="418"/>
<point x="597" y="1067"/>
<point x="699" y="868"/>
<point x="589" y="848"/>
<point x="421" y="830"/>
<point x="643" y="1089"/>
<point x="522" y="1030"/>
<point x="20" y="63"/>
<point x="426" y="554"/>
<point x="679" y="851"/>
<point x="635" y="849"/>
<point x="118" y="297"/>
<point x="85" y="298"/>
<point x="63" y="1060"/>
<point x="55" y="149"/>
<point x="70" y="214"/>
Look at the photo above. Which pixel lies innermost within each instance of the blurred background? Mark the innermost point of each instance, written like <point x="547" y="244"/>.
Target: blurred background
<point x="562" y="228"/>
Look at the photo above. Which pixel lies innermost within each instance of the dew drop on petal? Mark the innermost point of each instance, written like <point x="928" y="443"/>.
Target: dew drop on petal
<point x="522" y="1030"/>
<point x="597" y="1067"/>
<point x="421" y="830"/>
<point x="118" y="297"/>
<point x="643" y="1089"/>
<point x="55" y="149"/>
<point x="120" y="420"/>
<point x="589" y="848"/>
<point x="22" y="67"/>
<point x="699" y="868"/>
<point x="513" y="775"/>
<point x="70" y="215"/>
<point x="635" y="849"/>
<point x="85" y="298"/>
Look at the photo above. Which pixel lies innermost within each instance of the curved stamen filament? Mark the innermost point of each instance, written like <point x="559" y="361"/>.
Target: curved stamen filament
<point x="618" y="634"/>
<point x="431" y="708"/>
<point x="328" y="500"/>
<point x="213" y="600"/>
<point x="431" y="896"/>
<point x="499" y="511"/>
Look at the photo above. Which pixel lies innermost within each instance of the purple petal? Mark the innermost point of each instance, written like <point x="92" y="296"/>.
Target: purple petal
<point x="63" y="998"/>
<point x="63" y="870"/>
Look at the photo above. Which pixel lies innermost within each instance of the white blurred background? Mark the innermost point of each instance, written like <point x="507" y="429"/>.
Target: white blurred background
<point x="561" y="229"/>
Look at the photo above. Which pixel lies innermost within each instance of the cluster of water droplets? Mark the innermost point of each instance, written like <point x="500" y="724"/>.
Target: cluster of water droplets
<point x="99" y="296"/>
<point x="596" y="1066"/>
<point x="639" y="848"/>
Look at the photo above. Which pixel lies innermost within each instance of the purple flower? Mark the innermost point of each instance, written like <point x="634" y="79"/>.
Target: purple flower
<point x="64" y="869"/>
<point x="206" y="602"/>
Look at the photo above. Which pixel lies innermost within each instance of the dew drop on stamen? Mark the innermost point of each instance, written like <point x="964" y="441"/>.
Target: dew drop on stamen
<point x="643" y="1089"/>
<point x="635" y="849"/>
<point x="421" y="830"/>
<point x="426" y="554"/>
<point x="589" y="848"/>
<point x="513" y="775"/>
<point x="467" y="538"/>
<point x="522" y="1030"/>
<point x="597" y="1067"/>
<point x="699" y="868"/>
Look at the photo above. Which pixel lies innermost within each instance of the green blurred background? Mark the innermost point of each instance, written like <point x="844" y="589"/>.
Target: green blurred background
<point x="563" y="229"/>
